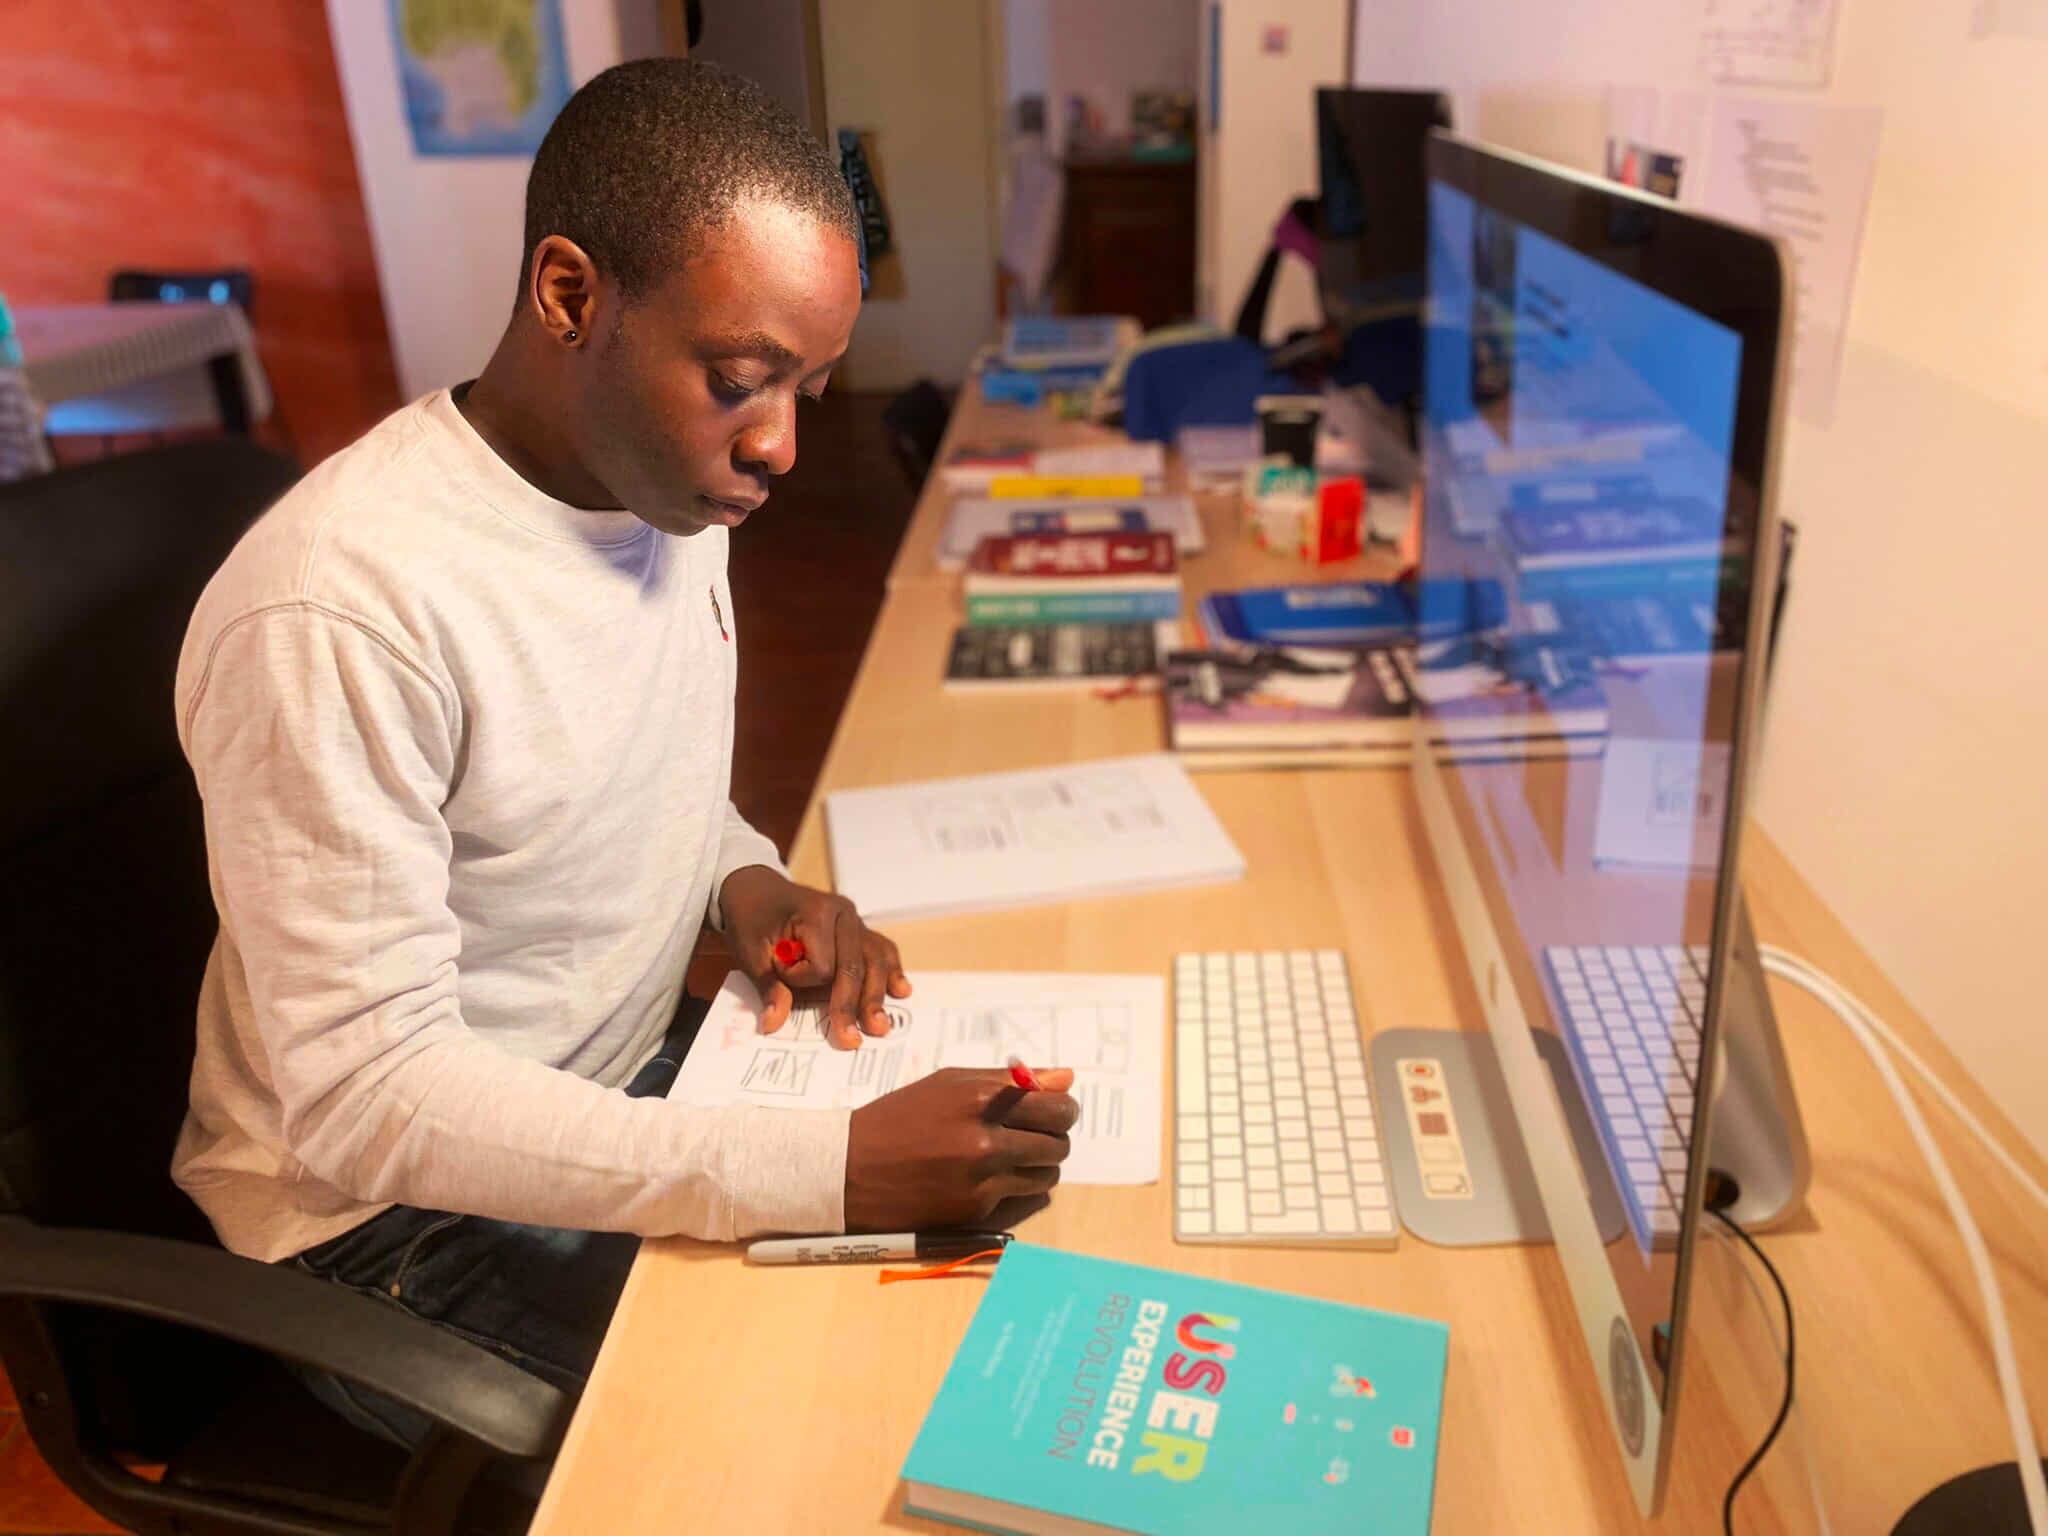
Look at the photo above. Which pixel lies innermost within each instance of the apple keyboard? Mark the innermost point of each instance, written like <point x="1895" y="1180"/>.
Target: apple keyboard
<point x="1274" y="1135"/>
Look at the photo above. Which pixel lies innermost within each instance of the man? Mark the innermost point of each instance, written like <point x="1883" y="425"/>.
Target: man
<point x="460" y="708"/>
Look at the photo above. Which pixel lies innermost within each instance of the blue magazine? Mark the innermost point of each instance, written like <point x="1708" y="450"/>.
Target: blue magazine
<point x="1346" y="612"/>
<point x="1147" y="1401"/>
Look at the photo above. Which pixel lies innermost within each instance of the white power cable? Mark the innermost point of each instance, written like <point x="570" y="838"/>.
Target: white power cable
<point x="1740" y="1258"/>
<point x="1869" y="1030"/>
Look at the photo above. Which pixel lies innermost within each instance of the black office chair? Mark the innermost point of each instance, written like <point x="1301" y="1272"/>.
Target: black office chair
<point x="916" y="421"/>
<point x="132" y="1339"/>
<point x="223" y="285"/>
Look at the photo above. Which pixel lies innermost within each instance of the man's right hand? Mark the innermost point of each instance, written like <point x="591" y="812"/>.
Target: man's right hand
<point x="946" y="1149"/>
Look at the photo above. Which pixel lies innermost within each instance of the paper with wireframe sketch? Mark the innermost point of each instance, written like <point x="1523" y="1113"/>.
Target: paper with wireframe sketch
<point x="1109" y="1029"/>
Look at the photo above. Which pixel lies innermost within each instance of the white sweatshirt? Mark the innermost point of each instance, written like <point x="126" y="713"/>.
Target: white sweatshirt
<point x="466" y="752"/>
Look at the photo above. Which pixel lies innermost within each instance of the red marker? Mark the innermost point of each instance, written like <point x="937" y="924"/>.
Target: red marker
<point x="1022" y="1075"/>
<point x="789" y="952"/>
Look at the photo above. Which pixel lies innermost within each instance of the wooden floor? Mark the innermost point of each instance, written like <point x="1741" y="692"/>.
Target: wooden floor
<point x="807" y="574"/>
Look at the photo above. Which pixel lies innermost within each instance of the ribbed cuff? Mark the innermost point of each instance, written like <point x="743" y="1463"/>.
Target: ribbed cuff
<point x="785" y="1171"/>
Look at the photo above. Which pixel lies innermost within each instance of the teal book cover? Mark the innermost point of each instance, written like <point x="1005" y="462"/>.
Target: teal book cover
<point x="1092" y="1395"/>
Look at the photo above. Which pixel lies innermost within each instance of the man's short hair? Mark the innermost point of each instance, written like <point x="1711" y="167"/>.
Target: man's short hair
<point x="651" y="154"/>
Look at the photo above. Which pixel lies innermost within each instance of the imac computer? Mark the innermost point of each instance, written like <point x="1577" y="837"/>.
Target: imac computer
<point x="1602" y="374"/>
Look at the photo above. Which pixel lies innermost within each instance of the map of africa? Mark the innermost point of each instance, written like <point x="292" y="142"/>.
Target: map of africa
<point x="481" y="77"/>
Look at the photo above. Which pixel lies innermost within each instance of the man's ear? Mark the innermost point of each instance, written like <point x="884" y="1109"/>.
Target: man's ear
<point x="562" y="290"/>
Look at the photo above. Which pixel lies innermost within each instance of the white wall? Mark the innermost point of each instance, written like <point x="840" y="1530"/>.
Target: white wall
<point x="1103" y="50"/>
<point x="918" y="77"/>
<point x="1909" y="720"/>
<point x="1263" y="152"/>
<point x="1027" y="49"/>
<point x="447" y="232"/>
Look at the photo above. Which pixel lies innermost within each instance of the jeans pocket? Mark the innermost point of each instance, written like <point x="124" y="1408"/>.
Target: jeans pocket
<point x="413" y="1250"/>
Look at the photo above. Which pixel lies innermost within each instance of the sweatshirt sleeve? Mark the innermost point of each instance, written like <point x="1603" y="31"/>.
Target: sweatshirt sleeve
<point x="324" y="755"/>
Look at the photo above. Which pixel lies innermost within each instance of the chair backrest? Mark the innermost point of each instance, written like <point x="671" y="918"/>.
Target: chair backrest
<point x="106" y="917"/>
<point x="229" y="284"/>
<point x="916" y="421"/>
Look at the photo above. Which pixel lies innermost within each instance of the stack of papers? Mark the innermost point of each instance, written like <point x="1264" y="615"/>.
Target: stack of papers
<point x="1019" y="839"/>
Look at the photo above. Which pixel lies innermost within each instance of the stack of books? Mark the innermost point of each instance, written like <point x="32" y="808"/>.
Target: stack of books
<point x="1017" y="469"/>
<point x="1001" y="658"/>
<point x="1274" y="706"/>
<point x="1065" y="578"/>
<point x="972" y="520"/>
<point x="1043" y="355"/>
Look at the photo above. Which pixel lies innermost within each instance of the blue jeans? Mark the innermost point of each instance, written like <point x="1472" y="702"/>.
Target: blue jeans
<point x="540" y="1297"/>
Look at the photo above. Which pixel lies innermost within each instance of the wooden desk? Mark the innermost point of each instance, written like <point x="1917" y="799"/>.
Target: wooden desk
<point x="729" y="1399"/>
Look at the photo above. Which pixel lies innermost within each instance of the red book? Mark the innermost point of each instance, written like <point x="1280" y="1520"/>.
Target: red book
<point x="1077" y="556"/>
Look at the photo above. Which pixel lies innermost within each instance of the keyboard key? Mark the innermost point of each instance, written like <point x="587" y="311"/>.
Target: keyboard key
<point x="1229" y="1207"/>
<point x="1196" y="1223"/>
<point x="1338" y="1216"/>
<point x="1264" y="1178"/>
<point x="1302" y="1221"/>
<point x="1194" y="1199"/>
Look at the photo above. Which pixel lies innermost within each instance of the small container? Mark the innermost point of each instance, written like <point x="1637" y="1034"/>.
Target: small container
<point x="1288" y="425"/>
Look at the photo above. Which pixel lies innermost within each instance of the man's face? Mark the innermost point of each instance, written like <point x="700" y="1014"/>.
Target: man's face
<point x="693" y="404"/>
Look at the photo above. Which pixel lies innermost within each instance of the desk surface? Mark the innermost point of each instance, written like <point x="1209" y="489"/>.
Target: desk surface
<point x="729" y="1398"/>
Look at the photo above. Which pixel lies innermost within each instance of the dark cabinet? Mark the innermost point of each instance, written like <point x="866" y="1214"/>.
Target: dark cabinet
<point x="1127" y="239"/>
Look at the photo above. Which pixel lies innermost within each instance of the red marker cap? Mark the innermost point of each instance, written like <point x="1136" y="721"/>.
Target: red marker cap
<point x="1022" y="1075"/>
<point x="789" y="952"/>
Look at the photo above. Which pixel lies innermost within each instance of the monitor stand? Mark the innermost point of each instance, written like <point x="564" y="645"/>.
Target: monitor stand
<point x="1462" y="1177"/>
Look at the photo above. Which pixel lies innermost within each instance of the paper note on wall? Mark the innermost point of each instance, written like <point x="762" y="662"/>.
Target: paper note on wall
<point x="1801" y="170"/>
<point x="1107" y="1028"/>
<point x="1787" y="43"/>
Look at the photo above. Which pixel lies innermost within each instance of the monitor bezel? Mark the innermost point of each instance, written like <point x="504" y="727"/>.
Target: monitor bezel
<point x="1739" y="278"/>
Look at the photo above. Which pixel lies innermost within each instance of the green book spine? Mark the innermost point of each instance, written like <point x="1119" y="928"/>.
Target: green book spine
<point x="1074" y="608"/>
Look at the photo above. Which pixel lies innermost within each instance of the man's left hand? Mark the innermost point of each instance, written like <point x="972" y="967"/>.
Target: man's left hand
<point x="859" y="965"/>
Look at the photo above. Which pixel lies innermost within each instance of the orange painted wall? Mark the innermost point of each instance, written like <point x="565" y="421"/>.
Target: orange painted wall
<point x="198" y="133"/>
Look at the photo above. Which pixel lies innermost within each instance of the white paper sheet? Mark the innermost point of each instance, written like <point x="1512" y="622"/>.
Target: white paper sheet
<point x="1802" y="170"/>
<point x="996" y="840"/>
<point x="1662" y="804"/>
<point x="1109" y="1029"/>
<point x="1767" y="42"/>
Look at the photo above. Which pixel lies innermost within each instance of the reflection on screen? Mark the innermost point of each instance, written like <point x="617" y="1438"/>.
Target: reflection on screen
<point x="1580" y="676"/>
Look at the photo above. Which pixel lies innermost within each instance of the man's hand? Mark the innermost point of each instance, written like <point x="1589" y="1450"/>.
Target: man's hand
<point x="840" y="950"/>
<point x="943" y="1151"/>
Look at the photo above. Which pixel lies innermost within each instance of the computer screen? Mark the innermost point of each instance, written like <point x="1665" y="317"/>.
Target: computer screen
<point x="1600" y="372"/>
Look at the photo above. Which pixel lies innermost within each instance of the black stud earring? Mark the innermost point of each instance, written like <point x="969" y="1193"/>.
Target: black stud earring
<point x="568" y="335"/>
